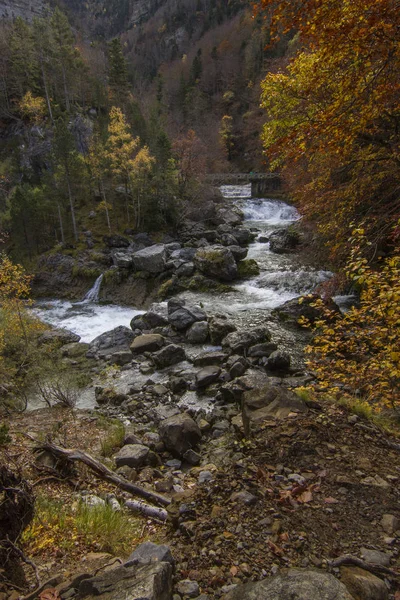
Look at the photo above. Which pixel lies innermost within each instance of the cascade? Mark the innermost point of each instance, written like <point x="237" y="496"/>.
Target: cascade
<point x="93" y="293"/>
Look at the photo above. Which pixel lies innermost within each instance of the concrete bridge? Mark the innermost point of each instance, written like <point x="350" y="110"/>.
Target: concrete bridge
<point x="262" y="184"/>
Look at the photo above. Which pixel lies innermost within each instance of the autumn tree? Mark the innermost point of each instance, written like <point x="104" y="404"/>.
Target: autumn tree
<point x="332" y="115"/>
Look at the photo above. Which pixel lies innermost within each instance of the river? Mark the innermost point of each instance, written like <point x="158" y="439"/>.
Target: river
<point x="281" y="278"/>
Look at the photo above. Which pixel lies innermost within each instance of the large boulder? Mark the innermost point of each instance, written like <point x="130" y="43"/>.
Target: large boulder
<point x="217" y="262"/>
<point x="148" y="320"/>
<point x="148" y="552"/>
<point x="168" y="356"/>
<point x="60" y="337"/>
<point x="294" y="585"/>
<point x="151" y="259"/>
<point x="111" y="341"/>
<point x="122" y="260"/>
<point x="116" y="241"/>
<point x="283" y="241"/>
<point x="230" y="216"/>
<point x="150" y="342"/>
<point x="132" y="455"/>
<point x="197" y="333"/>
<point x="180" y="433"/>
<point x="151" y="581"/>
<point x="240" y="341"/>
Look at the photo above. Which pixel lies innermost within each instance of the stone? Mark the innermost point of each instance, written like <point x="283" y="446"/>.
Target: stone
<point x="376" y="557"/>
<point x="180" y="433"/>
<point x="244" y="497"/>
<point x="219" y="328"/>
<point x="279" y="361"/>
<point x="192" y="457"/>
<point x="185" y="316"/>
<point x="122" y="260"/>
<point x="243" y="236"/>
<point x="390" y="524"/>
<point x="137" y="582"/>
<point x="148" y="342"/>
<point x="238" y="252"/>
<point x="209" y="358"/>
<point x="197" y="333"/>
<point x="260" y="350"/>
<point x="131" y="438"/>
<point x="296" y="584"/>
<point x="291" y="311"/>
<point x="132" y="455"/>
<point x="116" y="241"/>
<point x="60" y="337"/>
<point x="283" y="241"/>
<point x="207" y="376"/>
<point x="74" y="349"/>
<point x="151" y="259"/>
<point x="168" y="356"/>
<point x="205" y="476"/>
<point x="239" y="341"/>
<point x="154" y="319"/>
<point x="188" y="588"/>
<point x="217" y="262"/>
<point x="230" y="216"/>
<point x="186" y="269"/>
<point x="149" y="552"/>
<point x="121" y="357"/>
<point x="112" y="341"/>
<point x="363" y="585"/>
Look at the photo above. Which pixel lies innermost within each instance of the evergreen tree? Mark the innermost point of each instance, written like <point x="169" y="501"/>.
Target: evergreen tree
<point x="65" y="55"/>
<point x="118" y="72"/>
<point x="23" y="64"/>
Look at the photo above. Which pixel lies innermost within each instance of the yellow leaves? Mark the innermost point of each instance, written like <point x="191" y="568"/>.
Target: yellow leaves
<point x="33" y="107"/>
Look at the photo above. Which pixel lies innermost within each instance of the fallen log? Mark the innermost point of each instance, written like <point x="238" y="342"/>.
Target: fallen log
<point x="160" y="514"/>
<point x="104" y="473"/>
<point x="347" y="559"/>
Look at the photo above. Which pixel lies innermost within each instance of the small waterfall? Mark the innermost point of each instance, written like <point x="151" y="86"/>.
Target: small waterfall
<point x="93" y="293"/>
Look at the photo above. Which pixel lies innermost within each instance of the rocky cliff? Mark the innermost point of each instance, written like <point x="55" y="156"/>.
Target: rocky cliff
<point x="27" y="9"/>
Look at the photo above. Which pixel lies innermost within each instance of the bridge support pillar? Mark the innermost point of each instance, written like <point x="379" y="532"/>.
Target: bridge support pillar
<point x="261" y="188"/>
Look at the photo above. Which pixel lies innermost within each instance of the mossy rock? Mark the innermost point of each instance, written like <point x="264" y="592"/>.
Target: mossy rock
<point x="248" y="268"/>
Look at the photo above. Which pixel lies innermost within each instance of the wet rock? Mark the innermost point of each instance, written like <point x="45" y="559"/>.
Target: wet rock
<point x="147" y="343"/>
<point x="197" y="333"/>
<point x="209" y="358"/>
<point x="60" y="337"/>
<point x="239" y="368"/>
<point x="227" y="239"/>
<point x="219" y="328"/>
<point x="188" y="589"/>
<point x="151" y="259"/>
<point x="112" y="341"/>
<point x="283" y="241"/>
<point x="154" y="319"/>
<point x="294" y="585"/>
<point x="207" y="376"/>
<point x="363" y="585"/>
<point x="168" y="356"/>
<point x="217" y="262"/>
<point x="185" y="316"/>
<point x="180" y="433"/>
<point x="238" y="252"/>
<point x="148" y="553"/>
<point x="137" y="582"/>
<point x="279" y="361"/>
<point x="239" y="341"/>
<point x="132" y="455"/>
<point x="230" y="216"/>
<point x="243" y="236"/>
<point x="116" y="241"/>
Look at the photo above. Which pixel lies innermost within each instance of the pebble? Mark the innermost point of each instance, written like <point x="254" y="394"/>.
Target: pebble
<point x="189" y="588"/>
<point x="205" y="476"/>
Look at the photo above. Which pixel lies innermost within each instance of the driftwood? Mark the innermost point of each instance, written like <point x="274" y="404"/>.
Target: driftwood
<point x="104" y="473"/>
<point x="357" y="562"/>
<point x="160" y="514"/>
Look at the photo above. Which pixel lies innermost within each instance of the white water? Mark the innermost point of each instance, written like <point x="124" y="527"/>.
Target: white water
<point x="93" y="293"/>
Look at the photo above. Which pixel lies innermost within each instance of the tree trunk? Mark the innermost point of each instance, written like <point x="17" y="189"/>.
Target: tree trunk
<point x="61" y="223"/>
<point x="71" y="203"/>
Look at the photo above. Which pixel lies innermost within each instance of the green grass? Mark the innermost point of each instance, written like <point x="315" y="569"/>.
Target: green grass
<point x="114" y="438"/>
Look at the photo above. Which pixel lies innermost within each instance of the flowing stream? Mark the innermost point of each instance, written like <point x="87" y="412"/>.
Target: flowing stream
<point x="280" y="279"/>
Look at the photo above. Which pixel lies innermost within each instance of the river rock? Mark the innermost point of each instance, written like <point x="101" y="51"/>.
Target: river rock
<point x="219" y="328"/>
<point x="117" y="339"/>
<point x="149" y="342"/>
<point x="283" y="241"/>
<point x="197" y="333"/>
<point x="121" y="357"/>
<point x="243" y="236"/>
<point x="260" y="350"/>
<point x="207" y="376"/>
<point x="227" y="239"/>
<point x="137" y="582"/>
<point x="230" y="216"/>
<point x="296" y="584"/>
<point x="234" y="390"/>
<point x="148" y="552"/>
<point x="217" y="262"/>
<point x="132" y="455"/>
<point x="279" y="361"/>
<point x="122" y="260"/>
<point x="168" y="356"/>
<point x="180" y="433"/>
<point x="74" y="349"/>
<point x="363" y="585"/>
<point x="151" y="259"/>
<point x="291" y="311"/>
<point x="116" y="241"/>
<point x="239" y="341"/>
<point x="154" y="319"/>
<point x="238" y="252"/>
<point x="60" y="337"/>
<point x="209" y="358"/>
<point x="185" y="316"/>
<point x="186" y="269"/>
